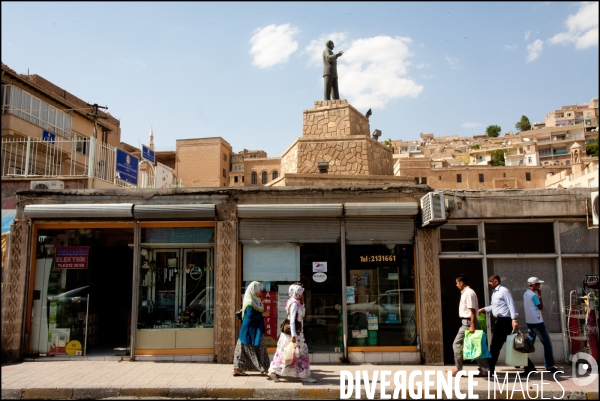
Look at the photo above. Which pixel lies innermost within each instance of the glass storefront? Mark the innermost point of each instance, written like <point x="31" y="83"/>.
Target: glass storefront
<point x="82" y="292"/>
<point x="380" y="294"/>
<point x="176" y="289"/>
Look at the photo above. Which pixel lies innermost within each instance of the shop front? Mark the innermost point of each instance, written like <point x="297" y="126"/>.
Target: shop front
<point x="356" y="262"/>
<point x="81" y="281"/>
<point x="118" y="280"/>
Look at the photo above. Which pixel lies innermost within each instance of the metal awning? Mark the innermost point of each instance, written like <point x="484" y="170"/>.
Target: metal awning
<point x="289" y="210"/>
<point x="181" y="211"/>
<point x="74" y="210"/>
<point x="382" y="209"/>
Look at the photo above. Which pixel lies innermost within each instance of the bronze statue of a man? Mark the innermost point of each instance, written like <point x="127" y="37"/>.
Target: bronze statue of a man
<point x="330" y="76"/>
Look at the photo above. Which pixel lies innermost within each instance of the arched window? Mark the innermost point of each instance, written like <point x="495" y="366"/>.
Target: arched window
<point x="275" y="174"/>
<point x="265" y="177"/>
<point x="254" y="178"/>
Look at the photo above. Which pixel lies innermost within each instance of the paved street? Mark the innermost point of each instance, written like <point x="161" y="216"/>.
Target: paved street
<point x="139" y="380"/>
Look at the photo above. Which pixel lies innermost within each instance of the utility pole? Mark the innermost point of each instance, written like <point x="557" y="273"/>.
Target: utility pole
<point x="92" y="156"/>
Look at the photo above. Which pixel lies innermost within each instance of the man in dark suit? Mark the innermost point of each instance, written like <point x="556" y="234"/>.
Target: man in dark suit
<point x="330" y="75"/>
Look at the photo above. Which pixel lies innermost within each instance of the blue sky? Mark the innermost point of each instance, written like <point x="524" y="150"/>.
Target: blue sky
<point x="246" y="71"/>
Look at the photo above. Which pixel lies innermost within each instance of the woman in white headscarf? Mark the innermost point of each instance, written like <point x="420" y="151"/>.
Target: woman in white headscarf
<point x="250" y="350"/>
<point x="300" y="366"/>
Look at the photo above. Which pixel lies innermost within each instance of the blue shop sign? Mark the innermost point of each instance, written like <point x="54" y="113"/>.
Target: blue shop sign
<point x="147" y="154"/>
<point x="48" y="136"/>
<point x="127" y="167"/>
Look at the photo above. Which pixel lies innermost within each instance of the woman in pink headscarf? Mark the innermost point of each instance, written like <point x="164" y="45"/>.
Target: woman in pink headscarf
<point x="300" y="366"/>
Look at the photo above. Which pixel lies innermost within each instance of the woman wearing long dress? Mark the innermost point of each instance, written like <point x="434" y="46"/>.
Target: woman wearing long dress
<point x="250" y="349"/>
<point x="300" y="366"/>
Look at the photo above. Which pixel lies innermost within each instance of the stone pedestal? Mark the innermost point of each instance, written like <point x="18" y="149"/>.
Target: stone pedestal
<point x="336" y="133"/>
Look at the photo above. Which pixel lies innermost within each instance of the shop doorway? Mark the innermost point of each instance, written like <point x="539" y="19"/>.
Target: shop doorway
<point x="82" y="292"/>
<point x="449" y="270"/>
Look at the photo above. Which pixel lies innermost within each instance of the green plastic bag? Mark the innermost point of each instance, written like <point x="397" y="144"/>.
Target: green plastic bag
<point x="472" y="345"/>
<point x="481" y="319"/>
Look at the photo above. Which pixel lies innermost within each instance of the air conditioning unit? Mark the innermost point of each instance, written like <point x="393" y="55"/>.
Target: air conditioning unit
<point x="47" y="185"/>
<point x="433" y="209"/>
<point x="595" y="209"/>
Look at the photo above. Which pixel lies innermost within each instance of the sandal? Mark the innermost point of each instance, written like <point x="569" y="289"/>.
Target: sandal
<point x="240" y="374"/>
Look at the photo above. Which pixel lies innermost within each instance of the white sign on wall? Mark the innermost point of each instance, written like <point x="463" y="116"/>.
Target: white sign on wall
<point x="319" y="267"/>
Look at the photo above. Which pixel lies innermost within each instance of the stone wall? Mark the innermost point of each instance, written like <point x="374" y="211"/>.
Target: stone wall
<point x="289" y="160"/>
<point x="13" y="292"/>
<point x="334" y="118"/>
<point x="381" y="161"/>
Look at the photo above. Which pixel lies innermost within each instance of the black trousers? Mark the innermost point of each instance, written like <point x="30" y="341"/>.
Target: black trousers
<point x="502" y="328"/>
<point x="331" y="85"/>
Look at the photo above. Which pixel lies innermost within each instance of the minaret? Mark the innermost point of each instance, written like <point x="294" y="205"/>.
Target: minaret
<point x="151" y="141"/>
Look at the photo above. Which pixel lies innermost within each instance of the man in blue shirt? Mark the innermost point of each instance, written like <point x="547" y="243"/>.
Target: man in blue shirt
<point x="504" y="310"/>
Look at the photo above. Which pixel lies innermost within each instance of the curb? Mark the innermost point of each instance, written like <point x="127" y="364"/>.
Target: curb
<point x="238" y="393"/>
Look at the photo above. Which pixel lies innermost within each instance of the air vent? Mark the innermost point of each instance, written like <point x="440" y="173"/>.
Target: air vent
<point x="433" y="209"/>
<point x="47" y="185"/>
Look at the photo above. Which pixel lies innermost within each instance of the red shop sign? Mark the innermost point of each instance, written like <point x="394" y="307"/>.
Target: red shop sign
<point x="71" y="257"/>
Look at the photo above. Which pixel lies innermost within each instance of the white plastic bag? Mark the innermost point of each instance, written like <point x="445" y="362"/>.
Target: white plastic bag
<point x="289" y="353"/>
<point x="512" y="356"/>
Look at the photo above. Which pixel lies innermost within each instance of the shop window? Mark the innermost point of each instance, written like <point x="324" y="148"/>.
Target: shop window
<point x="176" y="288"/>
<point x="458" y="177"/>
<point x="459" y="238"/>
<point x="519" y="238"/>
<point x="264" y="177"/>
<point x="527" y="176"/>
<point x="381" y="295"/>
<point x="254" y="178"/>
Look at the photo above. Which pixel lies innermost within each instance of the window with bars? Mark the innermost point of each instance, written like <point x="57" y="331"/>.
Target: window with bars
<point x="264" y="177"/>
<point x="81" y="143"/>
<point x="275" y="174"/>
<point x="254" y="178"/>
<point x="458" y="177"/>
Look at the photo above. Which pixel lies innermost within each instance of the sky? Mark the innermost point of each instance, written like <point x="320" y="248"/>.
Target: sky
<point x="247" y="71"/>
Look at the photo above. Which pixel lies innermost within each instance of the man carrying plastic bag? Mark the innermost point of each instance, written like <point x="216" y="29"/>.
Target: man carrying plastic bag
<point x="467" y="311"/>
<point x="475" y="345"/>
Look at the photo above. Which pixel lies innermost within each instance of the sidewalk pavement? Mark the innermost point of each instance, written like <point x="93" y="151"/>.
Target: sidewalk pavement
<point x="109" y="379"/>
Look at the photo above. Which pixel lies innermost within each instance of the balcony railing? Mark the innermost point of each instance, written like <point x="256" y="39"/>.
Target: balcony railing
<point x="35" y="157"/>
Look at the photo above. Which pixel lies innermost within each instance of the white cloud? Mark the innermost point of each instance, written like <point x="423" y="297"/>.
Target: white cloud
<point x="373" y="71"/>
<point x="471" y="124"/>
<point x="527" y="34"/>
<point x="453" y="62"/>
<point x="422" y="65"/>
<point x="582" y="28"/>
<point x="510" y="47"/>
<point x="534" y="50"/>
<point x="315" y="47"/>
<point x="273" y="44"/>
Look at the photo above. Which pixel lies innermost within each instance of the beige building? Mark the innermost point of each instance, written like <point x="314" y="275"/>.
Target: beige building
<point x="53" y="139"/>
<point x="203" y="162"/>
<point x="586" y="114"/>
<point x="236" y="177"/>
<point x="583" y="173"/>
